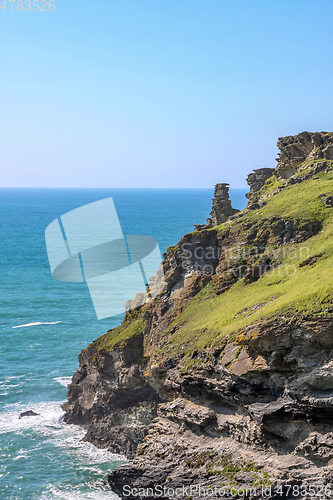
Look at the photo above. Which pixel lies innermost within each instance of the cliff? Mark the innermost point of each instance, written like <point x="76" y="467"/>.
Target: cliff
<point x="226" y="379"/>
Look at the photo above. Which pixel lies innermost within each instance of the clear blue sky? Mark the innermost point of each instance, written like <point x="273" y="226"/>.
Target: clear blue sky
<point x="159" y="93"/>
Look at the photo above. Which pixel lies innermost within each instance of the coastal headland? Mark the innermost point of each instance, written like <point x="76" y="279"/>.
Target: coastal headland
<point x="224" y="381"/>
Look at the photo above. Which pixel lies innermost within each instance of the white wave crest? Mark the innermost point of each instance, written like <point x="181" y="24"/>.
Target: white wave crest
<point x="38" y="323"/>
<point x="49" y="414"/>
<point x="65" y="381"/>
<point x="49" y="425"/>
<point x="48" y="430"/>
<point x="72" y="493"/>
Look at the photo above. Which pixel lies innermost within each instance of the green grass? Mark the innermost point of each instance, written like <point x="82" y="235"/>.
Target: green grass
<point x="119" y="335"/>
<point x="298" y="292"/>
<point x="308" y="291"/>
<point x="301" y="201"/>
<point x="271" y="184"/>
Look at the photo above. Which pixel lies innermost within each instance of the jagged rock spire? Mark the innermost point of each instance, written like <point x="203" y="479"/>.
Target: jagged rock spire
<point x="221" y="207"/>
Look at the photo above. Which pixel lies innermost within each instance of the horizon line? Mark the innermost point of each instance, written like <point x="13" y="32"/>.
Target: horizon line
<point x="83" y="187"/>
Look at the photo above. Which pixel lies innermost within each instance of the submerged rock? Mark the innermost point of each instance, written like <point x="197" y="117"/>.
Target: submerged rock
<point x="29" y="413"/>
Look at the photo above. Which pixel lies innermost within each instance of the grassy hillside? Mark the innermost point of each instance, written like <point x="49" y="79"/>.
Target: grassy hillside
<point x="288" y="290"/>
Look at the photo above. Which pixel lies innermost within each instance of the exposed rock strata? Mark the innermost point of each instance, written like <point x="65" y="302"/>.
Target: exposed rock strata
<point x="221" y="208"/>
<point x="230" y="418"/>
<point x="294" y="150"/>
<point x="111" y="399"/>
<point x="266" y="413"/>
<point x="257" y="179"/>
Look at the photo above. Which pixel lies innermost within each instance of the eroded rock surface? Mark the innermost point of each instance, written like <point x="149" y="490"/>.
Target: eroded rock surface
<point x="111" y="399"/>
<point x="221" y="208"/>
<point x="295" y="149"/>
<point x="263" y="417"/>
<point x="257" y="179"/>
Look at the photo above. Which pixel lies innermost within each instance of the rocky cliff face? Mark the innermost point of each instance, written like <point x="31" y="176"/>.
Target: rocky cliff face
<point x="260" y="418"/>
<point x="110" y="397"/>
<point x="226" y="379"/>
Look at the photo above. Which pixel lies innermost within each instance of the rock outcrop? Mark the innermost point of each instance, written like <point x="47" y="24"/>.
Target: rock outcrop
<point x="111" y="399"/>
<point x="29" y="413"/>
<point x="221" y="208"/>
<point x="260" y="418"/>
<point x="327" y="200"/>
<point x="224" y="381"/>
<point x="294" y="150"/>
<point x="257" y="179"/>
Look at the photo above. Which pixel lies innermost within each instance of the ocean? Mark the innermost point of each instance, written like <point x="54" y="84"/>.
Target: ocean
<point x="45" y="324"/>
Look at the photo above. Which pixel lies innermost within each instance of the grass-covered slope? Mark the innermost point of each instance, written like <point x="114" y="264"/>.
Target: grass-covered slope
<point x="298" y="284"/>
<point x="119" y="335"/>
<point x="286" y="290"/>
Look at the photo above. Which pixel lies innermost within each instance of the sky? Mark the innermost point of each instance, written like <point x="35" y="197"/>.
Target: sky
<point x="158" y="93"/>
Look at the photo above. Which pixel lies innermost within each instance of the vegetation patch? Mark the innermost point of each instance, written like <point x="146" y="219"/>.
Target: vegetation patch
<point x="196" y="459"/>
<point x="228" y="468"/>
<point x="118" y="336"/>
<point x="293" y="287"/>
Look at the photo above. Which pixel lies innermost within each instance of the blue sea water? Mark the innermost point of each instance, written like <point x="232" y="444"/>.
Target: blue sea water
<point x="41" y="458"/>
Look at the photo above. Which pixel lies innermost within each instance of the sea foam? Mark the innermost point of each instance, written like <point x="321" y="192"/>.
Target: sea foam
<point x="72" y="493"/>
<point x="64" y="381"/>
<point x="49" y="425"/>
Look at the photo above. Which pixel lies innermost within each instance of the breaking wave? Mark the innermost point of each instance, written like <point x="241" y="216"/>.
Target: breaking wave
<point x="38" y="323"/>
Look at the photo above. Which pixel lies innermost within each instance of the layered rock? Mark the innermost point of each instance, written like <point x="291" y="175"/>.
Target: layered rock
<point x="238" y="408"/>
<point x="294" y="150"/>
<point x="261" y="418"/>
<point x="110" y="397"/>
<point x="257" y="179"/>
<point x="221" y="208"/>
